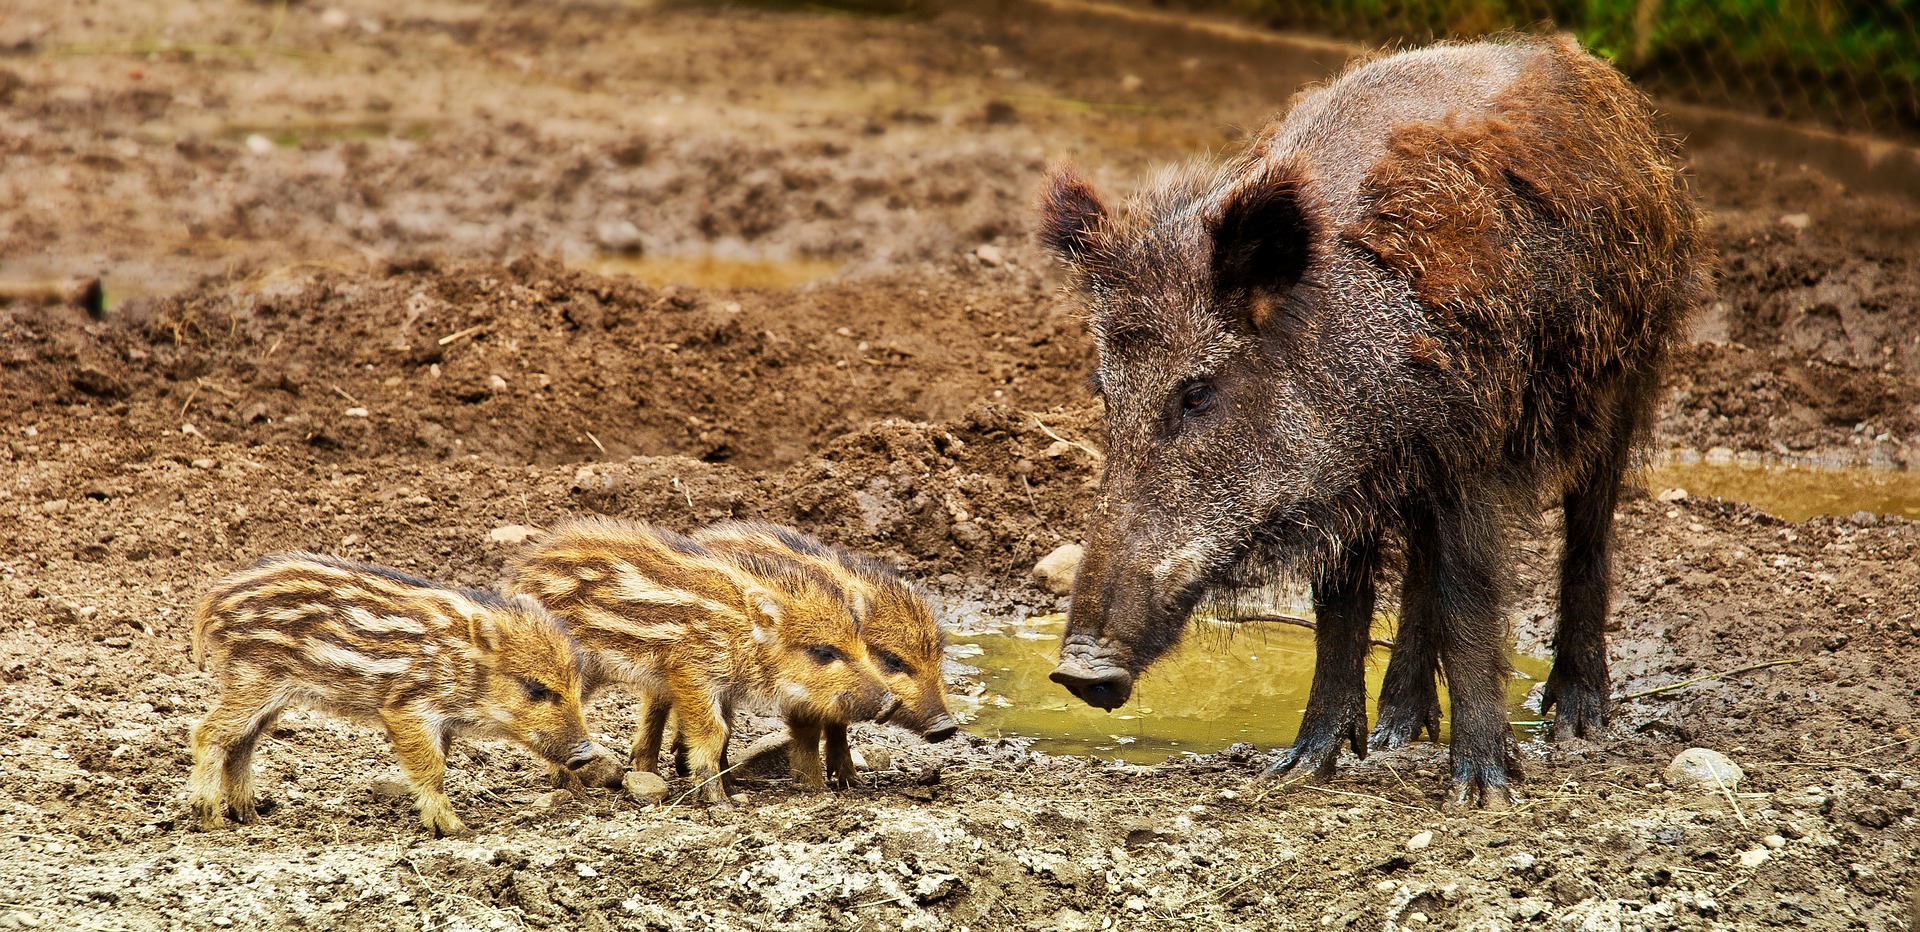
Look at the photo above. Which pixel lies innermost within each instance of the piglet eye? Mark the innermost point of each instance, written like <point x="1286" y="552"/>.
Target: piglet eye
<point x="823" y="654"/>
<point x="538" y="691"/>
<point x="889" y="663"/>
<point x="1195" y="398"/>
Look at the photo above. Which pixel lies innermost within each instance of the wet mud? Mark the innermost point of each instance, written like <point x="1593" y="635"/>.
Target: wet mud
<point x="407" y="281"/>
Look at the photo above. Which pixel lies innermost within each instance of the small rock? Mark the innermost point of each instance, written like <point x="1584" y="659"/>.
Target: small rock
<point x="53" y="507"/>
<point x="1673" y="495"/>
<point x="390" y="789"/>
<point x="646" y="788"/>
<point x="585" y="870"/>
<point x="510" y="534"/>
<point x="618" y="236"/>
<point x="1057" y="449"/>
<point x="496" y="383"/>
<point x="119" y="643"/>
<point x="1754" y="857"/>
<point x="355" y="412"/>
<point x="1520" y="862"/>
<point x="1056" y="570"/>
<point x="1702" y="767"/>
<point x="1797" y="221"/>
<point x="222" y="921"/>
<point x="991" y="255"/>
<point x="205" y="463"/>
<point x="552" y="799"/>
<point x="872" y="757"/>
<point x="1775" y="842"/>
<point x="1419" y="841"/>
<point x="258" y="144"/>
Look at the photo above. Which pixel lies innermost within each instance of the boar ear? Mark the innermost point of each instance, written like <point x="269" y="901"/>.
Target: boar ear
<point x="1262" y="238"/>
<point x="764" y="609"/>
<point x="857" y="606"/>
<point x="1070" y="213"/>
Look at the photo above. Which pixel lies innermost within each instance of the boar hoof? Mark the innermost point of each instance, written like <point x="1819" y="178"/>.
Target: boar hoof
<point x="245" y="811"/>
<point x="1402" y="725"/>
<point x="1582" y="708"/>
<point x="1317" y="749"/>
<point x="1468" y="795"/>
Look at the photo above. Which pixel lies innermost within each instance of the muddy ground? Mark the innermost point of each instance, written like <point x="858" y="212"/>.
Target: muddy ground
<point x="348" y="254"/>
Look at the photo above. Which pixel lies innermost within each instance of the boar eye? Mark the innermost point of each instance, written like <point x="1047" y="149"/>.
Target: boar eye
<point x="538" y="691"/>
<point x="889" y="663"/>
<point x="1196" y="398"/>
<point x="823" y="654"/>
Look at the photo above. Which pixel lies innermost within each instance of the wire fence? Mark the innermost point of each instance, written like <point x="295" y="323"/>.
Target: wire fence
<point x="1851" y="65"/>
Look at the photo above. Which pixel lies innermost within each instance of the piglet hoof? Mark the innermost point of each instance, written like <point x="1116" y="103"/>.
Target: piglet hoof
<point x="206" y="815"/>
<point x="444" y="824"/>
<point x="245" y="812"/>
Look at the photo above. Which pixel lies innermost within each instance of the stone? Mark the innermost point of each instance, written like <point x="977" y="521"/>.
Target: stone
<point x="1057" y="569"/>
<point x="1755" y="857"/>
<point x="991" y="255"/>
<point x="618" y="236"/>
<point x="1702" y="767"/>
<point x="1419" y="841"/>
<point x="646" y="788"/>
<point x="510" y="534"/>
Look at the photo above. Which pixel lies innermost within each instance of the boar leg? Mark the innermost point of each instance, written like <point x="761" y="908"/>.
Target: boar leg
<point x="1409" y="697"/>
<point x="1468" y="552"/>
<point x="1337" y="701"/>
<point x="1578" y="685"/>
<point x="803" y="754"/>
<point x="425" y="764"/>
<point x="840" y="770"/>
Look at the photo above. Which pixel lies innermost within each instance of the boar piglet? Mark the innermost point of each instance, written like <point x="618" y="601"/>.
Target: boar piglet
<point x="696" y="634"/>
<point x="1438" y="293"/>
<point x="895" y="622"/>
<point x="425" y="661"/>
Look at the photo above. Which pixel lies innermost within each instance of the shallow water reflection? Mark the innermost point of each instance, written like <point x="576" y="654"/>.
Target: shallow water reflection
<point x="1794" y="492"/>
<point x="709" y="271"/>
<point x="1225" y="683"/>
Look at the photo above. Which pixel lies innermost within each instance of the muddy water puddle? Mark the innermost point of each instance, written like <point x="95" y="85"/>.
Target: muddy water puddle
<point x="1791" y="491"/>
<point x="711" y="271"/>
<point x="1226" y="683"/>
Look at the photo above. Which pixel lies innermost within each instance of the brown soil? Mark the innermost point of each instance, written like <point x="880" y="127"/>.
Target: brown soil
<point x="372" y="335"/>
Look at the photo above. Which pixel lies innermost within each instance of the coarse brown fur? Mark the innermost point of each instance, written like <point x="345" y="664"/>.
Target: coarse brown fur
<point x="426" y="661"/>
<point x="895" y="622"/>
<point x="1440" y="289"/>
<point x="697" y="634"/>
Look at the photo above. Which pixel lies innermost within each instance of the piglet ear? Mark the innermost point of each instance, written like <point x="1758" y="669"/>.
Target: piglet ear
<point x="1070" y="213"/>
<point x="858" y="606"/>
<point x="764" y="609"/>
<point x="1262" y="237"/>
<point x="483" y="632"/>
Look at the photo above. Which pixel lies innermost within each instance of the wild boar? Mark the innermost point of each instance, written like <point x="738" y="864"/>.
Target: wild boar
<point x="895" y="622"/>
<point x="426" y="661"/>
<point x="1440" y="289"/>
<point x="696" y="634"/>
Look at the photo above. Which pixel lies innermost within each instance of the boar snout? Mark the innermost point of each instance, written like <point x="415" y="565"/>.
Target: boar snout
<point x="1091" y="672"/>
<point x="1105" y="689"/>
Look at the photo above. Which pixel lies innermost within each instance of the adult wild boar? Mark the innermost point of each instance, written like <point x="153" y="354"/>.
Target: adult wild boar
<point x="1441" y="288"/>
